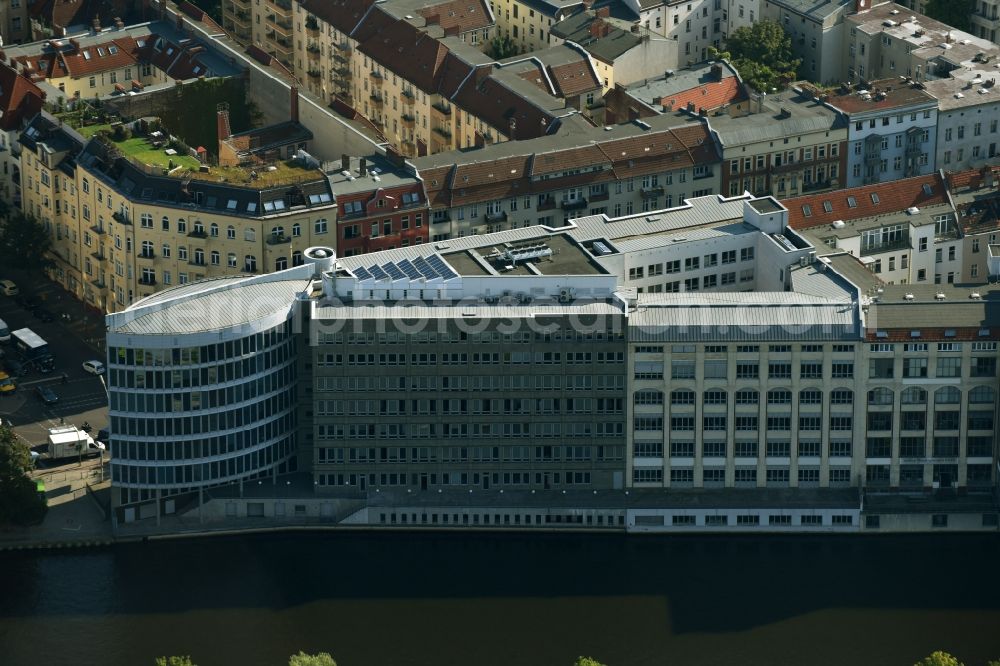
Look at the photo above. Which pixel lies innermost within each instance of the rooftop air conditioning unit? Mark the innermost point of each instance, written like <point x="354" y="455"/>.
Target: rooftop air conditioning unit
<point x="939" y="296"/>
<point x="976" y="296"/>
<point x="908" y="297"/>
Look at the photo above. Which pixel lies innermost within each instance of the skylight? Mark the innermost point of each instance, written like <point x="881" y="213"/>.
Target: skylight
<point x="852" y="202"/>
<point x="928" y="190"/>
<point x="827" y="206"/>
<point x="875" y="198"/>
<point x="86" y="55"/>
<point x="807" y="210"/>
<point x="112" y="50"/>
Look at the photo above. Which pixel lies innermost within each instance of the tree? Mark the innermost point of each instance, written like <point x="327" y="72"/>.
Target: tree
<point x="318" y="659"/>
<point x="174" y="661"/>
<point x="939" y="658"/>
<point x="25" y="243"/>
<point x="19" y="499"/>
<point x="587" y="661"/>
<point x="953" y="12"/>
<point x="762" y="54"/>
<point x="502" y="46"/>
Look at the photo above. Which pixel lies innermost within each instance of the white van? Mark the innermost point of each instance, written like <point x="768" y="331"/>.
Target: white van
<point x="4" y="332"/>
<point x="8" y="288"/>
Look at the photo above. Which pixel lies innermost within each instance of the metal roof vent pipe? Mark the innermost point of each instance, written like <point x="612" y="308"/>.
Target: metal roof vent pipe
<point x="322" y="259"/>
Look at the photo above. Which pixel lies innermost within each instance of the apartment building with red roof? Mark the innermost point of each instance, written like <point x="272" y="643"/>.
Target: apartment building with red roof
<point x="627" y="169"/>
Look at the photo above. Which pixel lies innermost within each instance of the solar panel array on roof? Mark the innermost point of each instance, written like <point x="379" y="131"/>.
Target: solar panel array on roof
<point x="420" y="268"/>
<point x="393" y="271"/>
<point x="442" y="268"/>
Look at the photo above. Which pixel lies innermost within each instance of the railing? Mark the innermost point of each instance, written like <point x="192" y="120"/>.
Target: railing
<point x="100" y="231"/>
<point x="314" y="73"/>
<point x="891" y="246"/>
<point x="546" y="204"/>
<point x="147" y="281"/>
<point x="283" y="6"/>
<point x="443" y="131"/>
<point x="197" y="234"/>
<point x="99" y="255"/>
<point x="121" y="217"/>
<point x="655" y="191"/>
<point x="408" y="120"/>
<point x="283" y="28"/>
<point x="377" y="99"/>
<point x="441" y="108"/>
<point x="376" y="78"/>
<point x="816" y="185"/>
<point x="600" y="196"/>
<point x="146" y="255"/>
<point x="574" y="204"/>
<point x="500" y="216"/>
<point x="407" y="97"/>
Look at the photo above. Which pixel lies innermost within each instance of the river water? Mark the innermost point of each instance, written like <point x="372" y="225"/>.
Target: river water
<point x="477" y="599"/>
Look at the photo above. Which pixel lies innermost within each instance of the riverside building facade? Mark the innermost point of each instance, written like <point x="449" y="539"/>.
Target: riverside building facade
<point x="694" y="368"/>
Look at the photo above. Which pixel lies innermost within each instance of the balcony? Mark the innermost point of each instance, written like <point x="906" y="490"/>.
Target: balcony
<point x="378" y="100"/>
<point x="914" y="150"/>
<point x="312" y="27"/>
<point x="283" y="28"/>
<point x="707" y="173"/>
<point x="443" y="131"/>
<point x="873" y="159"/>
<point x="407" y="97"/>
<point x="574" y="204"/>
<point x="146" y="255"/>
<point x="546" y="204"/>
<point x="376" y="78"/>
<point x="121" y="218"/>
<point x="651" y="192"/>
<point x="97" y="281"/>
<point x="891" y="246"/>
<point x="314" y="74"/>
<point x="499" y="216"/>
<point x="345" y="74"/>
<point x="282" y="7"/>
<point x="241" y="18"/>
<point x="817" y="185"/>
<point x="100" y="231"/>
<point x="441" y="109"/>
<point x="600" y="196"/>
<point x="241" y="4"/>
<point x="147" y="281"/>
<point x="408" y="120"/>
<point x="197" y="233"/>
<point x="99" y="255"/>
<point x="313" y="51"/>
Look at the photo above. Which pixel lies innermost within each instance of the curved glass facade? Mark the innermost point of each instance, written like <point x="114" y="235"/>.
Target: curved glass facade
<point x="185" y="418"/>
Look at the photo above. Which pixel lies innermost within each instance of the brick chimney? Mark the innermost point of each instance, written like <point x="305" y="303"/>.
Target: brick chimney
<point x="596" y="28"/>
<point x="294" y="104"/>
<point x="603" y="12"/>
<point x="862" y="5"/>
<point x="222" y="123"/>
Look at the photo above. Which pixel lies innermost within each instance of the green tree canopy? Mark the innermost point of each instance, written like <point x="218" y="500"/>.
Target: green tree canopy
<point x="762" y="54"/>
<point x="939" y="658"/>
<point x="19" y="500"/>
<point x="174" y="661"/>
<point x="502" y="46"/>
<point x="24" y="242"/>
<point x="318" y="659"/>
<point x="953" y="12"/>
<point x="587" y="661"/>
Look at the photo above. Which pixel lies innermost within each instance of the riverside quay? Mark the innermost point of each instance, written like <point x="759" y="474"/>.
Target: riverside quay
<point x="701" y="368"/>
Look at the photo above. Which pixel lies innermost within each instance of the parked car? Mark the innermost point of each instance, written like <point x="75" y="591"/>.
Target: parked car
<point x="8" y="287"/>
<point x="93" y="367"/>
<point x="7" y="384"/>
<point x="16" y="367"/>
<point x="46" y="395"/>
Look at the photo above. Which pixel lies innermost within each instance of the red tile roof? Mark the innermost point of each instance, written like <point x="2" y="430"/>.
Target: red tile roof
<point x="457" y="16"/>
<point x="20" y="99"/>
<point x="892" y="197"/>
<point x="708" y="96"/>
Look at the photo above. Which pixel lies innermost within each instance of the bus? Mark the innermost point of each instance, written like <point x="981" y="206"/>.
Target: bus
<point x="33" y="349"/>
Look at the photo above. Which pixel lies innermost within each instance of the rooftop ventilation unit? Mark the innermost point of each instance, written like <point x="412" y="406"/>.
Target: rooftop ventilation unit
<point x="908" y="297"/>
<point x="939" y="296"/>
<point x="976" y="296"/>
<point x="912" y="210"/>
<point x="600" y="249"/>
<point x="525" y="252"/>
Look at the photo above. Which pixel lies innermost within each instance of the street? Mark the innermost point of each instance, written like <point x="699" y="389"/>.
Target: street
<point x="83" y="397"/>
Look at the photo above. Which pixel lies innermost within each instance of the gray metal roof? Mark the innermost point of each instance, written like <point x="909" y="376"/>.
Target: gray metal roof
<point x="218" y="308"/>
<point x="957" y="309"/>
<point x="401" y="311"/>
<point x="739" y="316"/>
<point x="806" y="115"/>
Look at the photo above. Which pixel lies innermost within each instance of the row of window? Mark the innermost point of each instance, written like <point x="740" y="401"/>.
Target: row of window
<point x="740" y="423"/>
<point x="690" y="264"/>
<point x="467" y="454"/>
<point x="742" y="477"/>
<point x="487" y="430"/>
<point x="744" y="370"/>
